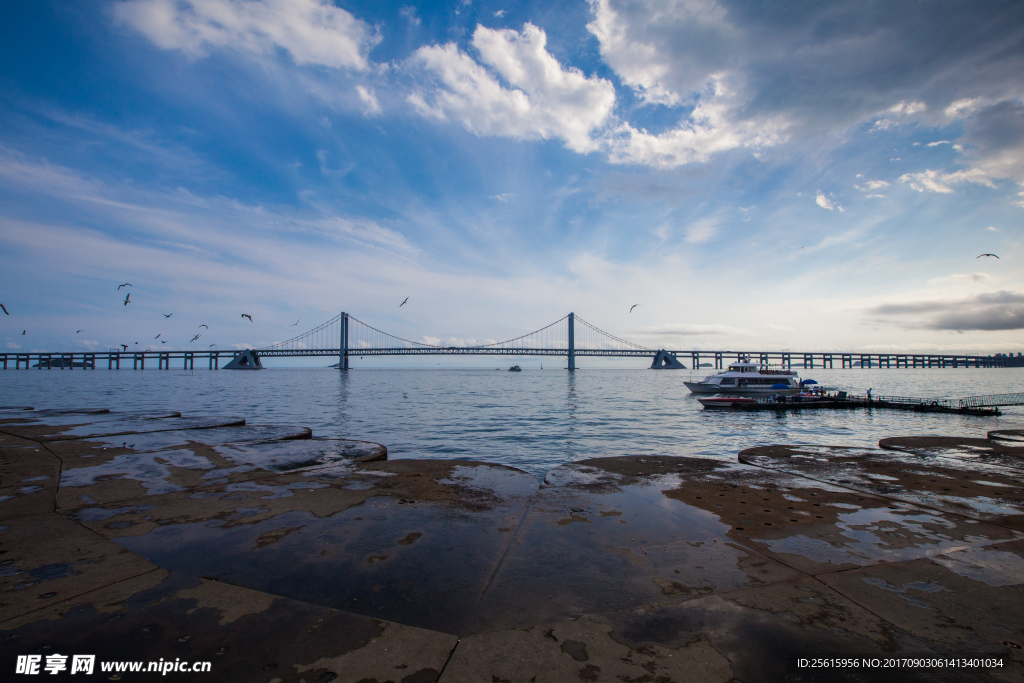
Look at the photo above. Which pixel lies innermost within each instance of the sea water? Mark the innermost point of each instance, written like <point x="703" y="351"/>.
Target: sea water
<point x="534" y="420"/>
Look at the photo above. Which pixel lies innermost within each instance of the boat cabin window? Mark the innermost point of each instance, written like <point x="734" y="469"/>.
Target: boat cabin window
<point x="728" y="382"/>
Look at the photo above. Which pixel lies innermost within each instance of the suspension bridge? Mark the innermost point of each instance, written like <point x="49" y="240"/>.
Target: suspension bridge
<point x="345" y="336"/>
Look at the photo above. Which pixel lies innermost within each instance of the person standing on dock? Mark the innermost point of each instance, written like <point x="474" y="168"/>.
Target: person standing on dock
<point x="869" y="395"/>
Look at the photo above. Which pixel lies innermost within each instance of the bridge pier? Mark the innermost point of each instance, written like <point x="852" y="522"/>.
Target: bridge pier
<point x="572" y="342"/>
<point x="343" y="346"/>
<point x="188" y="361"/>
<point x="718" y="361"/>
<point x="214" y="359"/>
<point x="137" y="360"/>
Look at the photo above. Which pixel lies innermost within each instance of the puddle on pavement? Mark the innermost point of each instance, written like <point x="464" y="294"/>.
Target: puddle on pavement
<point x="987" y="487"/>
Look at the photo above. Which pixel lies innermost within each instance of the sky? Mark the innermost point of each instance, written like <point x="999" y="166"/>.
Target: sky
<point x="810" y="176"/>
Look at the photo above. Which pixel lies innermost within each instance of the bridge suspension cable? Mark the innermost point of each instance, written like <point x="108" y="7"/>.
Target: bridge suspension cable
<point x="325" y="336"/>
<point x="363" y="336"/>
<point x="591" y="337"/>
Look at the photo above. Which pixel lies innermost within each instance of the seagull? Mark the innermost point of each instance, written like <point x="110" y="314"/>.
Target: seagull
<point x="5" y="309"/>
<point x="206" y="326"/>
<point x="296" y="322"/>
<point x="163" y="341"/>
<point x="79" y="331"/>
<point x="403" y="303"/>
<point x="126" y="302"/>
<point x="157" y="336"/>
<point x="987" y="255"/>
<point x="127" y="284"/>
<point x="23" y="332"/>
<point x="246" y="315"/>
<point x="632" y="307"/>
<point x="167" y="315"/>
<point x="193" y="339"/>
<point x="212" y="345"/>
<point x="124" y="346"/>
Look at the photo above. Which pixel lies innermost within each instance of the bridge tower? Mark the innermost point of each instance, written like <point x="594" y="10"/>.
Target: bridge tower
<point x="572" y="342"/>
<point x="343" y="344"/>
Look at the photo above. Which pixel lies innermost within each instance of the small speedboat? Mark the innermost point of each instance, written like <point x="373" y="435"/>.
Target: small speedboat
<point x="725" y="401"/>
<point x="515" y="368"/>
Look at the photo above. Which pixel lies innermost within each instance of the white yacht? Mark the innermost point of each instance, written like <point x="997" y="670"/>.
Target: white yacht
<point x="744" y="377"/>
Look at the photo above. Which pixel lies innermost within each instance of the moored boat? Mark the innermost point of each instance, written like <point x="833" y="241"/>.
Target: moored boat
<point x="515" y="368"/>
<point x="744" y="377"/>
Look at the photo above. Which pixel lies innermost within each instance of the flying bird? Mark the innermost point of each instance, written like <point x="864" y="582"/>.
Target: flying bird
<point x="296" y="322"/>
<point x="23" y="332"/>
<point x="157" y="336"/>
<point x="79" y="331"/>
<point x="167" y="315"/>
<point x="632" y="307"/>
<point x="163" y="341"/>
<point x="5" y="309"/>
<point x="403" y="303"/>
<point x="193" y="339"/>
<point x="206" y="326"/>
<point x="127" y="284"/>
<point x="212" y="345"/>
<point x="124" y="346"/>
<point x="988" y="255"/>
<point x="246" y="315"/>
<point x="126" y="302"/>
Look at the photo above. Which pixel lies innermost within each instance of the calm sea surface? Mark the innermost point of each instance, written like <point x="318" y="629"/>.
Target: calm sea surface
<point x="534" y="420"/>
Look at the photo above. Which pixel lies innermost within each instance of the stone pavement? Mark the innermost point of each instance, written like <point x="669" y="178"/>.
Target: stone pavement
<point x="279" y="557"/>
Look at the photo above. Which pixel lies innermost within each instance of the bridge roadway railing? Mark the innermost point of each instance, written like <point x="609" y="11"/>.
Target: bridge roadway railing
<point x="694" y="359"/>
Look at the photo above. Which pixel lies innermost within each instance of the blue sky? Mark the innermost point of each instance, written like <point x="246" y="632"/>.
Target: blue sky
<point x="806" y="176"/>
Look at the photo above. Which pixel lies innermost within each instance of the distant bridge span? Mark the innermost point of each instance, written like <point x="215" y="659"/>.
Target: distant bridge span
<point x="345" y="336"/>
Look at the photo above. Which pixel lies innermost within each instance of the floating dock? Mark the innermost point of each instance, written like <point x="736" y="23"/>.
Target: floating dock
<point x="970" y="405"/>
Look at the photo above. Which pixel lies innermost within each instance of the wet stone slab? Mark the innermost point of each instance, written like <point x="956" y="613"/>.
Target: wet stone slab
<point x="744" y="635"/>
<point x="93" y="451"/>
<point x="955" y="446"/>
<point x="45" y="559"/>
<point x="408" y="541"/>
<point x="120" y="474"/>
<point x="594" y="544"/>
<point x="44" y="432"/>
<point x="246" y="635"/>
<point x="808" y="525"/>
<point x="1015" y="436"/>
<point x="959" y="603"/>
<point x="29" y="476"/>
<point x="988" y="486"/>
<point x="60" y="418"/>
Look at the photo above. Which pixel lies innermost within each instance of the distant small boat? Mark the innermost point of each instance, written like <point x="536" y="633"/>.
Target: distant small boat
<point x="515" y="368"/>
<point x="725" y="401"/>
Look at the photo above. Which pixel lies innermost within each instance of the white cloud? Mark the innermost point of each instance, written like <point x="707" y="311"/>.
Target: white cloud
<point x="961" y="277"/>
<point x="992" y="228"/>
<point x="545" y="100"/>
<point x="409" y="12"/>
<point x="639" y="58"/>
<point x="825" y="203"/>
<point x="500" y="13"/>
<point x="938" y="142"/>
<point x="961" y="108"/>
<point x="871" y="185"/>
<point x="311" y="31"/>
<point x="936" y="181"/>
<point x="701" y="231"/>
<point x="908" y="108"/>
<point x="369" y="100"/>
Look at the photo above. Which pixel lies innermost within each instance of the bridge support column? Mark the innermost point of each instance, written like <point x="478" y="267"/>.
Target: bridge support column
<point x="718" y="361"/>
<point x="572" y="342"/>
<point x="343" y="344"/>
